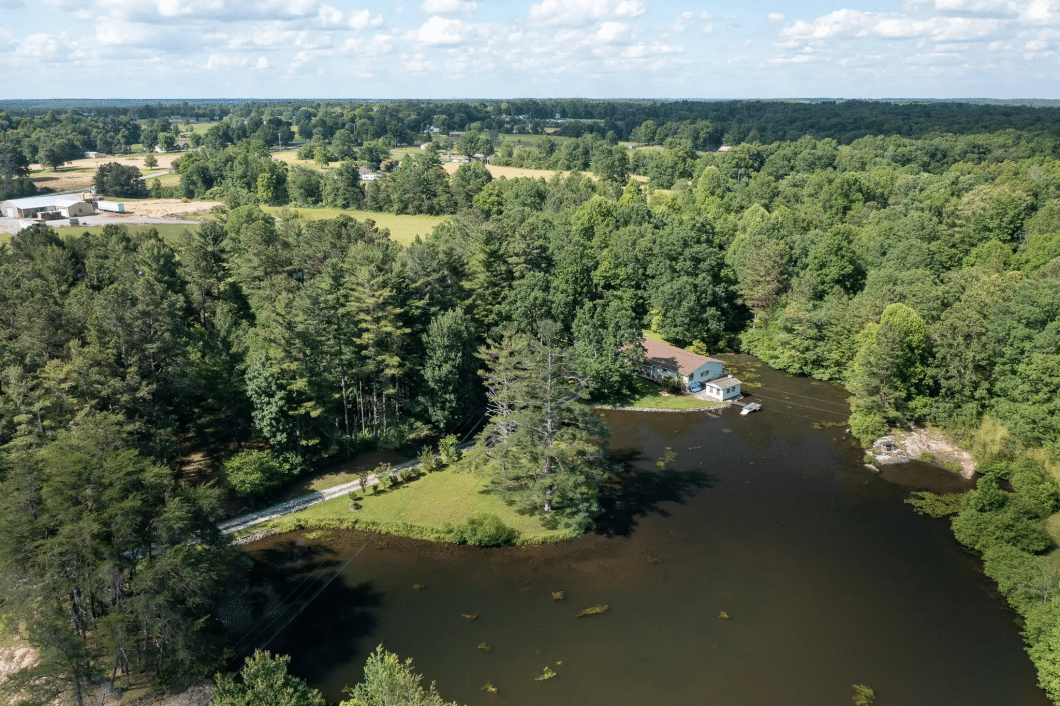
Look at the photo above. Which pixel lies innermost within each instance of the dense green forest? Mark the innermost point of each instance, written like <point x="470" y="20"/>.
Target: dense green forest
<point x="921" y="269"/>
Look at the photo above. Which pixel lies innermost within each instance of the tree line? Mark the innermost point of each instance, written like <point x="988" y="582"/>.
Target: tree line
<point x="923" y="273"/>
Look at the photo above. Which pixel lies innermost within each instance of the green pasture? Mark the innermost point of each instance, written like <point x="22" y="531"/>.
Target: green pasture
<point x="403" y="229"/>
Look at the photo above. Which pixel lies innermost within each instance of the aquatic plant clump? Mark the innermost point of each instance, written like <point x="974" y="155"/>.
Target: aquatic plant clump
<point x="723" y="615"/>
<point x="470" y="616"/>
<point x="545" y="675"/>
<point x="863" y="695"/>
<point x="490" y="688"/>
<point x="559" y="595"/>
<point x="593" y="610"/>
<point x="485" y="647"/>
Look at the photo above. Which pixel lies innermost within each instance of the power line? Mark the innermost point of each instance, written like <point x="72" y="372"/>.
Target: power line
<point x="782" y="392"/>
<point x="827" y="411"/>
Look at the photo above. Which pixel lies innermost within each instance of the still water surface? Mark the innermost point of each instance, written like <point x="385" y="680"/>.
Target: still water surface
<point x="828" y="577"/>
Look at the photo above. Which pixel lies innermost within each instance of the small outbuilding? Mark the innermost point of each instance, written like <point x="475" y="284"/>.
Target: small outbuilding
<point x="723" y="388"/>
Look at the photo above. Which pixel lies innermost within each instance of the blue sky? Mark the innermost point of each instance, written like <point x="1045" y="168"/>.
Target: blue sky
<point x="547" y="48"/>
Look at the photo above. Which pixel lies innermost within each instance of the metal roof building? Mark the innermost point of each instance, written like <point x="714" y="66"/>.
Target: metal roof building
<point x="33" y="205"/>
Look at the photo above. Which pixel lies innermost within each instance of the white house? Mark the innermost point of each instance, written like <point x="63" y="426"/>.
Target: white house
<point x="663" y="361"/>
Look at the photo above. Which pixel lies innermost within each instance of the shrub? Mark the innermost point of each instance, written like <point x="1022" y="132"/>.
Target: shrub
<point x="1029" y="479"/>
<point x="447" y="450"/>
<point x="484" y="530"/>
<point x="255" y="473"/>
<point x="990" y="518"/>
<point x="428" y="461"/>
<point x="867" y="426"/>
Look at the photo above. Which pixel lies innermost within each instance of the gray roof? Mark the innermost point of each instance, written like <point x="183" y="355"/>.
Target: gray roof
<point x="46" y="201"/>
<point x="727" y="381"/>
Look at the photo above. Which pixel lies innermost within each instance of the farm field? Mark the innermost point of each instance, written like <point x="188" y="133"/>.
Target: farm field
<point x="403" y="229"/>
<point x="79" y="173"/>
<point x="510" y="172"/>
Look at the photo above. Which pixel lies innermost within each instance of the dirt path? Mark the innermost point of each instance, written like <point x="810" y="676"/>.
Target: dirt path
<point x="308" y="500"/>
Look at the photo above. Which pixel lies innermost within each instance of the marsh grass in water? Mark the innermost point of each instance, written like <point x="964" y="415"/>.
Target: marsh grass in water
<point x="545" y="675"/>
<point x="863" y="695"/>
<point x="933" y="505"/>
<point x="559" y="595"/>
<point x="593" y="610"/>
<point x="470" y="616"/>
<point x="723" y="615"/>
<point x="485" y="647"/>
<point x="490" y="688"/>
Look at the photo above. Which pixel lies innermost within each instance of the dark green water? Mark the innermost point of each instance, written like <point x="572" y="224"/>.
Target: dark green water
<point x="828" y="577"/>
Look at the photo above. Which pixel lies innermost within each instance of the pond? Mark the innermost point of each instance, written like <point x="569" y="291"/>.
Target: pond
<point x="828" y="579"/>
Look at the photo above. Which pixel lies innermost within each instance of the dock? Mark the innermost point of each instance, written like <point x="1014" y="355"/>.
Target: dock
<point x="748" y="407"/>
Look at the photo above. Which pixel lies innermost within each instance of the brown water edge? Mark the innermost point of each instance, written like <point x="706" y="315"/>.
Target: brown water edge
<point x="829" y="579"/>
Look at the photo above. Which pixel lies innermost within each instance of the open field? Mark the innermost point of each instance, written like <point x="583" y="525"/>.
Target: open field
<point x="419" y="508"/>
<point x="291" y="157"/>
<point x="510" y="172"/>
<point x="403" y="229"/>
<point x="199" y="128"/>
<point x="79" y="173"/>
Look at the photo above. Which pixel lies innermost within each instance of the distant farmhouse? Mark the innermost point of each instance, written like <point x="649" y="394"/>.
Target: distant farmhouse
<point x="695" y="372"/>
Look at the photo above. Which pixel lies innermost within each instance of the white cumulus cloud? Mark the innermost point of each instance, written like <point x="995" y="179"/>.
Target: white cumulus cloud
<point x="448" y="7"/>
<point x="582" y="12"/>
<point x="364" y="19"/>
<point x="640" y="51"/>
<point x="225" y="61"/>
<point x="612" y="31"/>
<point x="441" y="30"/>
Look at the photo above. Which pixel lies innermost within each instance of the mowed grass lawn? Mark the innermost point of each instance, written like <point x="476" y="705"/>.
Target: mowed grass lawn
<point x="403" y="229"/>
<point x="652" y="396"/>
<point x="419" y="508"/>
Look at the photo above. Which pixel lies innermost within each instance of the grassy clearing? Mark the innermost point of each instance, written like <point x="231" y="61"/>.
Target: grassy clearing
<point x="169" y="232"/>
<point x="651" y="396"/>
<point x="199" y="128"/>
<point x="419" y="508"/>
<point x="403" y="229"/>
<point x="510" y="172"/>
<point x="291" y="157"/>
<point x="80" y="173"/>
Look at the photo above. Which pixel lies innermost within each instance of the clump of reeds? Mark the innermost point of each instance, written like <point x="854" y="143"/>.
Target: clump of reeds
<point x="469" y="616"/>
<point x="545" y="675"/>
<point x="559" y="595"/>
<point x="593" y="610"/>
<point x="490" y="688"/>
<point x="723" y="615"/>
<point x="485" y="647"/>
